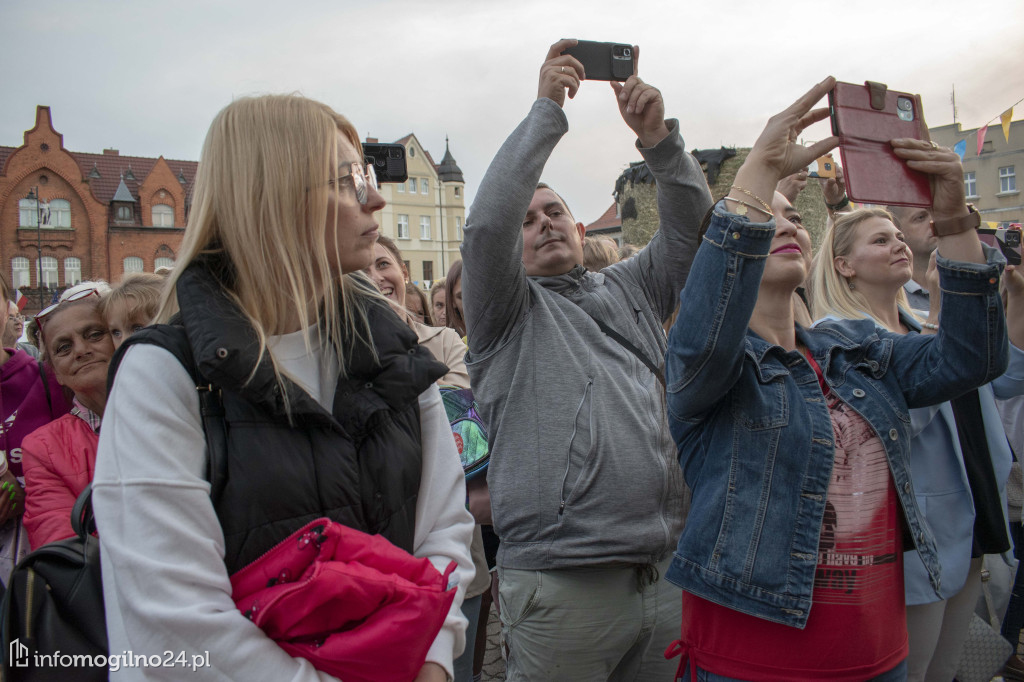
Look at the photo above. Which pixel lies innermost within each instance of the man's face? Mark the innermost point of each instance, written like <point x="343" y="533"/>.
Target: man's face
<point x="915" y="223"/>
<point x="552" y="242"/>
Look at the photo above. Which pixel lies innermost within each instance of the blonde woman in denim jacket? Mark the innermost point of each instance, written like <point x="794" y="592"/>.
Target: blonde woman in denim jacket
<point x="795" y="441"/>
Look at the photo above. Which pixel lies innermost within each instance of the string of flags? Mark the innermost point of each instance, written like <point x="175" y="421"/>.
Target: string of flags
<point x="1004" y="119"/>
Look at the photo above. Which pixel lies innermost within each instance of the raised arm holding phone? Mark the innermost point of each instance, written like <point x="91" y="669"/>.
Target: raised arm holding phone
<point x="796" y="441"/>
<point x="586" y="494"/>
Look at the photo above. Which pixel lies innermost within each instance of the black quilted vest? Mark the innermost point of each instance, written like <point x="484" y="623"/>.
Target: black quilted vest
<point x="359" y="465"/>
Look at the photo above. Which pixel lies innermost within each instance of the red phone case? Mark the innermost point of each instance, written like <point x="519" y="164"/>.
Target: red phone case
<point x="865" y="118"/>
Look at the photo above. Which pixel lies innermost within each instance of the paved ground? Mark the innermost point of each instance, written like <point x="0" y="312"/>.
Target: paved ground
<point x="494" y="665"/>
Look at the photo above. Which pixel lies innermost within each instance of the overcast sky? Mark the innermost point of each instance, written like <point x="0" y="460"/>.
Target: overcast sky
<point x="147" y="77"/>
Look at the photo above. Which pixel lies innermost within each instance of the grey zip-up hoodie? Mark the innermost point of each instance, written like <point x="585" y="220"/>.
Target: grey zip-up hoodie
<point x="583" y="470"/>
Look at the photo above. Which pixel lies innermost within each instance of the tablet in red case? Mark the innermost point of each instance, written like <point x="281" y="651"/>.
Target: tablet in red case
<point x="865" y="117"/>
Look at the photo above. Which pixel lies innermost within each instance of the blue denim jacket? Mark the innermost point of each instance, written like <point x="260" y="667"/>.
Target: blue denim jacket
<point x="753" y="432"/>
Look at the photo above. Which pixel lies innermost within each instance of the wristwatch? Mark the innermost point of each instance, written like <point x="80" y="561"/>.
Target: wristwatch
<point x="950" y="226"/>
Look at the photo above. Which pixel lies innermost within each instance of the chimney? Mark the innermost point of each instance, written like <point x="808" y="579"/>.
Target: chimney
<point x="111" y="152"/>
<point x="371" y="140"/>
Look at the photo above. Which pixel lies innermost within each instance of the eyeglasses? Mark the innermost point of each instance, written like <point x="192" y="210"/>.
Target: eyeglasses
<point x="363" y="178"/>
<point x="77" y="296"/>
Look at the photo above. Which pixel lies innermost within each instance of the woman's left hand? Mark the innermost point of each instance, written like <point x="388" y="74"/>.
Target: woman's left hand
<point x="945" y="169"/>
<point x="432" y="672"/>
<point x="12" y="498"/>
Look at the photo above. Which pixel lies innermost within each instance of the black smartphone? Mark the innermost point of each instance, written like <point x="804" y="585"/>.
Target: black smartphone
<point x="604" y="61"/>
<point x="388" y="160"/>
<point x="1006" y="240"/>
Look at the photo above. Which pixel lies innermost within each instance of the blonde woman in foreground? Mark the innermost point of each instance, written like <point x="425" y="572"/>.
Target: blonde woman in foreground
<point x="330" y="405"/>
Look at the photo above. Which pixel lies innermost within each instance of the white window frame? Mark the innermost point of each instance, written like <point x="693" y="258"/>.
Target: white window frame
<point x="1007" y="179"/>
<point x="28" y="213"/>
<point x="458" y="192"/>
<point x="403" y="226"/>
<point x="401" y="188"/>
<point x="21" y="275"/>
<point x="72" y="271"/>
<point x="424" y="186"/>
<point x="163" y="263"/>
<point x="163" y="215"/>
<point x="48" y="277"/>
<point x="425" y="227"/>
<point x="412" y="185"/>
<point x="970" y="183"/>
<point x="59" y="214"/>
<point x="133" y="264"/>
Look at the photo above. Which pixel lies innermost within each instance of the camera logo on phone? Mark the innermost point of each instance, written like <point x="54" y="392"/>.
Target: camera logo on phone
<point x="905" y="109"/>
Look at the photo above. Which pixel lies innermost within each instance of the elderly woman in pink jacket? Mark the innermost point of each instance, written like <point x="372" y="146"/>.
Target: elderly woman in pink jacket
<point x="59" y="458"/>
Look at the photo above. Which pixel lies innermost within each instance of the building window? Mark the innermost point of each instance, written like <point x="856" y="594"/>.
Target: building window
<point x="424" y="185"/>
<point x="970" y="184"/>
<point x="1007" y="179"/>
<point x="408" y="267"/>
<point x="458" y="192"/>
<point x="28" y="214"/>
<point x="163" y="263"/>
<point x="428" y="270"/>
<point x="412" y="185"/>
<point x="132" y="264"/>
<point x="163" y="216"/>
<point x="124" y="213"/>
<point x="19" y="272"/>
<point x="401" y="188"/>
<point x="72" y="271"/>
<point x="458" y="227"/>
<point x="60" y="213"/>
<point x="403" y="226"/>
<point x="424" y="227"/>
<point x="49" y="275"/>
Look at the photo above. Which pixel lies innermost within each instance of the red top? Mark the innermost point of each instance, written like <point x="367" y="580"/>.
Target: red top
<point x="857" y="627"/>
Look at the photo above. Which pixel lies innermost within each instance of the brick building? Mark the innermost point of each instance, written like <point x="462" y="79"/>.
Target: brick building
<point x="71" y="216"/>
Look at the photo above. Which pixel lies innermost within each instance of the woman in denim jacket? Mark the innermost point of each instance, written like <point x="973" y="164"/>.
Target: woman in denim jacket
<point x="795" y="442"/>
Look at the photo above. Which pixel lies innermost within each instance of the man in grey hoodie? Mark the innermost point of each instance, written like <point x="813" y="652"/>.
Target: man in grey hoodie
<point x="586" y="492"/>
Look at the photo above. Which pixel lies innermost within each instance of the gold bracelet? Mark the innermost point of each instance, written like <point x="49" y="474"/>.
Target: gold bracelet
<point x="745" y="206"/>
<point x="767" y="207"/>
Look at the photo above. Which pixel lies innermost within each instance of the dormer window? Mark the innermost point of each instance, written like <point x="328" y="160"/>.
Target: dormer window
<point x="124" y="214"/>
<point x="163" y="216"/>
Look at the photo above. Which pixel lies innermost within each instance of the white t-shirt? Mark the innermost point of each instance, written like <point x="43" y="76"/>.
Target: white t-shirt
<point x="165" y="584"/>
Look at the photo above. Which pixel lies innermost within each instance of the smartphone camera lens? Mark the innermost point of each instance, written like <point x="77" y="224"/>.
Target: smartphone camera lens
<point x="627" y="52"/>
<point x="395" y="154"/>
<point x="903" y="103"/>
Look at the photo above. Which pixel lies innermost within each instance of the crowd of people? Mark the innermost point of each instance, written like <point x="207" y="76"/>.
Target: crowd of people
<point x="720" y="456"/>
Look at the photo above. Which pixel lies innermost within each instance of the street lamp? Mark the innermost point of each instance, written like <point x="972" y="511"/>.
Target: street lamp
<point x="41" y="215"/>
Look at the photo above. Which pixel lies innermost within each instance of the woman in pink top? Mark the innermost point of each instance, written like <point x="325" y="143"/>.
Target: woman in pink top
<point x="60" y="458"/>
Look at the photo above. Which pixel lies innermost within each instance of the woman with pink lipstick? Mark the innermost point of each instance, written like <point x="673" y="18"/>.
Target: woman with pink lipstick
<point x="795" y="441"/>
<point x="959" y="456"/>
<point x="330" y="410"/>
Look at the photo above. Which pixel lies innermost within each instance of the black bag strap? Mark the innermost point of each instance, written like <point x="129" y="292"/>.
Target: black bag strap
<point x="211" y="401"/>
<point x="82" y="521"/>
<point x="631" y="347"/>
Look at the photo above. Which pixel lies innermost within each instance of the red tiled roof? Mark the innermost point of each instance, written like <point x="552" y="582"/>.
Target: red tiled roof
<point x="608" y="219"/>
<point x="111" y="166"/>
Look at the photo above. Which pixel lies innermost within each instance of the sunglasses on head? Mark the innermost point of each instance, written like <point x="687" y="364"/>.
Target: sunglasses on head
<point x="77" y="296"/>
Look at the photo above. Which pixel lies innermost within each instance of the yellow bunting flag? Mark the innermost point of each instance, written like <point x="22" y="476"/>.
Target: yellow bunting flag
<point x="992" y="225"/>
<point x="1005" y="119"/>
